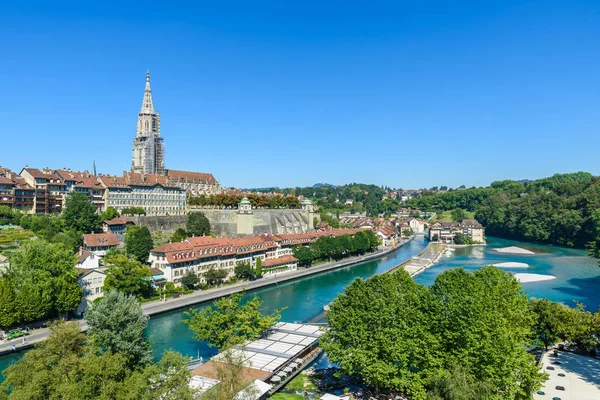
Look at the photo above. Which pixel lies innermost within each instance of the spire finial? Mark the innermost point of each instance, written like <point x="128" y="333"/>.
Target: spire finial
<point x="147" y="106"/>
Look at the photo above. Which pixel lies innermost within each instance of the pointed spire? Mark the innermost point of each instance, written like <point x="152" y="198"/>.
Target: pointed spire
<point x="95" y="168"/>
<point x="147" y="106"/>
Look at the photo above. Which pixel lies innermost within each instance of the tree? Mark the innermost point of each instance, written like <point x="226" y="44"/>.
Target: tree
<point x="230" y="374"/>
<point x="179" y="235"/>
<point x="258" y="270"/>
<point x="109" y="214"/>
<point x="80" y="214"/>
<point x="379" y="330"/>
<point x="138" y="242"/>
<point x="550" y="321"/>
<point x="9" y="309"/>
<point x="44" y="277"/>
<point x="466" y="329"/>
<point x="189" y="281"/>
<point x="244" y="271"/>
<point x="197" y="224"/>
<point x="458" y="384"/>
<point x="486" y="323"/>
<point x="227" y="322"/>
<point x="116" y="324"/>
<point x="127" y="276"/>
<point x="304" y="255"/>
<point x="166" y="380"/>
<point x="435" y="237"/>
<point x="64" y="367"/>
<point x="458" y="215"/>
<point x="215" y="276"/>
<point x="68" y="366"/>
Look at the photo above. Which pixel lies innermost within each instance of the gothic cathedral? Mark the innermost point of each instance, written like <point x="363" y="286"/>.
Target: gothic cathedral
<point x="148" y="146"/>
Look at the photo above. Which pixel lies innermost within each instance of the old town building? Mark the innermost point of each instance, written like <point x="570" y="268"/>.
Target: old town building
<point x="446" y="231"/>
<point x="156" y="194"/>
<point x="195" y="183"/>
<point x="197" y="255"/>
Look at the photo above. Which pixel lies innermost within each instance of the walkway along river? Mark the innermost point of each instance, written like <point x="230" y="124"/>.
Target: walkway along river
<point x="166" y="331"/>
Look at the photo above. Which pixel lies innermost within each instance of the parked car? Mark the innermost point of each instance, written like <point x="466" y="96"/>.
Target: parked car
<point x="17" y="333"/>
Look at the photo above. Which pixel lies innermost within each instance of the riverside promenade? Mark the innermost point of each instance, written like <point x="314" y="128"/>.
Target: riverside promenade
<point x="198" y="297"/>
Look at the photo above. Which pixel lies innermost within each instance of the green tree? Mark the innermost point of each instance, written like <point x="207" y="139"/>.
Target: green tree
<point x="304" y="255"/>
<point x="9" y="309"/>
<point x="486" y="323"/>
<point x="189" y="281"/>
<point x="109" y="214"/>
<point x="138" y="242"/>
<point x="179" y="235"/>
<point x="197" y="224"/>
<point x="458" y="215"/>
<point x="381" y="331"/>
<point x="244" y="271"/>
<point x="166" y="380"/>
<point x="229" y="322"/>
<point x="68" y="366"/>
<point x="550" y="321"/>
<point x="80" y="214"/>
<point x="258" y="270"/>
<point x="128" y="276"/>
<point x="458" y="384"/>
<point x="116" y="324"/>
<point x="215" y="276"/>
<point x="44" y="279"/>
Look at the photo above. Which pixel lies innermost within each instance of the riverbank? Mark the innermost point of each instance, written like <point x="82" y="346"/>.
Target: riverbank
<point x="158" y="307"/>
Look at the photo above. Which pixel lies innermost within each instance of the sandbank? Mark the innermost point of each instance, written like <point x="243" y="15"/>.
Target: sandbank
<point x="511" y="265"/>
<point x="526" y="278"/>
<point x="514" y="250"/>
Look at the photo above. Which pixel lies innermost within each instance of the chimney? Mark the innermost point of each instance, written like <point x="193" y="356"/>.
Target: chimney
<point x="80" y="250"/>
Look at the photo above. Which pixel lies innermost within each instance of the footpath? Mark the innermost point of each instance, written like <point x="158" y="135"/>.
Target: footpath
<point x="198" y="297"/>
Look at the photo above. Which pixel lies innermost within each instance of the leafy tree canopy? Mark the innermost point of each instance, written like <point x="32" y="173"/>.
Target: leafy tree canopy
<point x="138" y="242"/>
<point x="197" y="224"/>
<point x="229" y="322"/>
<point x="127" y="276"/>
<point x="116" y="324"/>
<point x="80" y="214"/>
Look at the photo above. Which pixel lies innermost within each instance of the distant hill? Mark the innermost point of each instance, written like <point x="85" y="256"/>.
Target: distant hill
<point x="318" y="185"/>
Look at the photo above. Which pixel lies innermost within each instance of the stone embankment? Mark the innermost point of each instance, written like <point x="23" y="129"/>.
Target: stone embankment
<point x="159" y="307"/>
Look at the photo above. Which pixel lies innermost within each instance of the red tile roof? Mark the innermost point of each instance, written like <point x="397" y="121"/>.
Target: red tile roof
<point x="273" y="262"/>
<point x="118" y="221"/>
<point x="190" y="177"/>
<point x="100" y="239"/>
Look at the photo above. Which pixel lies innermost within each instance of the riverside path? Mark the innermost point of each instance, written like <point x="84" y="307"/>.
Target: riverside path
<point x="158" y="307"/>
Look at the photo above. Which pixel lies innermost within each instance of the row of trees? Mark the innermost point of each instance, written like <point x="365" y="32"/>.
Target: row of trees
<point x="114" y="361"/>
<point x="259" y="201"/>
<point x="329" y="248"/>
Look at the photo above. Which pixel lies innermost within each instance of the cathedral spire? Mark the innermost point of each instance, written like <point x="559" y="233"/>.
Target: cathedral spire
<point x="147" y="106"/>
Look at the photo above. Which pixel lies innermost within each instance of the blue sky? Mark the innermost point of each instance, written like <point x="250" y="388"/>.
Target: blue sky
<point x="278" y="93"/>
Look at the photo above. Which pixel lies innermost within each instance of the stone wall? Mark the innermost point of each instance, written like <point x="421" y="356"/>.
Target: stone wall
<point x="231" y="224"/>
<point x="161" y="223"/>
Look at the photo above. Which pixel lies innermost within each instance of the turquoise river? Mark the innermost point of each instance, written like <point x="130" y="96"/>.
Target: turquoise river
<point x="577" y="279"/>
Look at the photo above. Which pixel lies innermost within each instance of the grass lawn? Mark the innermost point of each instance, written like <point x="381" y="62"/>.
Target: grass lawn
<point x="301" y="382"/>
<point x="446" y="216"/>
<point x="286" y="396"/>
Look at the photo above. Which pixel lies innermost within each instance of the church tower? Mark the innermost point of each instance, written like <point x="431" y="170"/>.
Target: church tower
<point x="148" y="146"/>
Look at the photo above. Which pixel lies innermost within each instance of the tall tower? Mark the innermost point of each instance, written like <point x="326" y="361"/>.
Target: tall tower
<point x="148" y="146"/>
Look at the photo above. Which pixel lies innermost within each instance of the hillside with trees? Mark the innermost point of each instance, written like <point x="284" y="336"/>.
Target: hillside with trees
<point x="563" y="209"/>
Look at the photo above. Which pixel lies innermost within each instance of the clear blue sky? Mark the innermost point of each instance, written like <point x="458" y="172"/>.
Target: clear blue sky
<point x="279" y="93"/>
